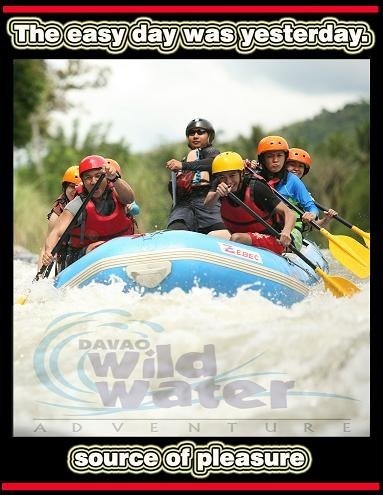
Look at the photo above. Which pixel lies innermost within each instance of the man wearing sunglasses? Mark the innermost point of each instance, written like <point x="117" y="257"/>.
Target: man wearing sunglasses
<point x="193" y="177"/>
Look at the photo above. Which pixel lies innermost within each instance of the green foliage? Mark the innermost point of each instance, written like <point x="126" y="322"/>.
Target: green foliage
<point x="63" y="151"/>
<point x="39" y="90"/>
<point x="30" y="81"/>
<point x="149" y="177"/>
<point x="30" y="211"/>
<point x="246" y="146"/>
<point x="357" y="202"/>
<point x="312" y="132"/>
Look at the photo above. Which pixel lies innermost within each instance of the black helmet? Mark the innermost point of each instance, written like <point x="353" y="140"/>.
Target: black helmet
<point x="201" y="124"/>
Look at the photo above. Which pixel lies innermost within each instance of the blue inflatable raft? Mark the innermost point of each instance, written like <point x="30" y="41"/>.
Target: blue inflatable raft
<point x="164" y="260"/>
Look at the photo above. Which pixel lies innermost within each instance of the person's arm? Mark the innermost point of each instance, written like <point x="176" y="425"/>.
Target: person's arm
<point x="53" y="217"/>
<point x="265" y="199"/>
<point x="304" y="198"/>
<point x="204" y="162"/>
<point x="122" y="188"/>
<point x="211" y="198"/>
<point x="328" y="216"/>
<point x="124" y="191"/>
<point x="217" y="190"/>
<point x="203" y="165"/>
<point x="289" y="222"/>
<point x="55" y="235"/>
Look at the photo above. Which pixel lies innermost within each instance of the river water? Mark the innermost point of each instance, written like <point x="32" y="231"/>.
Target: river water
<point x="99" y="362"/>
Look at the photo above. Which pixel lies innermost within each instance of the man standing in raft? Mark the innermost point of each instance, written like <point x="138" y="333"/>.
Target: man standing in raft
<point x="193" y="183"/>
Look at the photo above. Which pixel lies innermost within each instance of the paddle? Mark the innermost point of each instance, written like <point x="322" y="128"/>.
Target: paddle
<point x="44" y="270"/>
<point x="174" y="187"/>
<point x="349" y="252"/>
<point x="357" y="230"/>
<point x="337" y="285"/>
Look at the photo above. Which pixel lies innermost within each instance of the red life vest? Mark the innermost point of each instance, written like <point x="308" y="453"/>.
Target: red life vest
<point x="58" y="205"/>
<point x="184" y="183"/>
<point x="273" y="181"/>
<point x="100" y="227"/>
<point x="238" y="220"/>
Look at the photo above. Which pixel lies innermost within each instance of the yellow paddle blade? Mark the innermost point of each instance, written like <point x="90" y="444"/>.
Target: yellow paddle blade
<point x="21" y="299"/>
<point x="350" y="253"/>
<point x="362" y="233"/>
<point x="339" y="286"/>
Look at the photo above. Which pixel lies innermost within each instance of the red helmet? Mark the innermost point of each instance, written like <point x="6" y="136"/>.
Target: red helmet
<point x="91" y="162"/>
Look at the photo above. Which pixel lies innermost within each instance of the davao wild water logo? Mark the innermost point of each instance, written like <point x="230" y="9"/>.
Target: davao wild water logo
<point x="106" y="362"/>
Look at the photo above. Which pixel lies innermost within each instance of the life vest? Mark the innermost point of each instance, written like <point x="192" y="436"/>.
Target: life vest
<point x="58" y="205"/>
<point x="96" y="227"/>
<point x="189" y="179"/>
<point x="273" y="181"/>
<point x="184" y="183"/>
<point x="237" y="219"/>
<point x="299" y="225"/>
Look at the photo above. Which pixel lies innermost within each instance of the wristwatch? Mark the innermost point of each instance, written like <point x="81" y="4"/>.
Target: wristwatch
<point x="118" y="176"/>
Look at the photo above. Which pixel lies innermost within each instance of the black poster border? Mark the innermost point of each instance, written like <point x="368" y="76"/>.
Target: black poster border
<point x="351" y="459"/>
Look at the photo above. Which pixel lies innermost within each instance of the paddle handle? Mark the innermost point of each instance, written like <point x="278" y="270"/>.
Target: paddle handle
<point x="271" y="229"/>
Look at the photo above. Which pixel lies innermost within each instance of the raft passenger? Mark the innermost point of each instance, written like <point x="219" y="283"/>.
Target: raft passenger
<point x="229" y="176"/>
<point x="104" y="217"/>
<point x="193" y="183"/>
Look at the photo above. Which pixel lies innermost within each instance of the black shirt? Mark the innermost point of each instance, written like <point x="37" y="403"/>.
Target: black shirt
<point x="260" y="193"/>
<point x="203" y="164"/>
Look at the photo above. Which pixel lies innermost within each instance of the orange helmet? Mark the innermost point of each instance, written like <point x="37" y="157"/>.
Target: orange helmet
<point x="299" y="155"/>
<point x="91" y="162"/>
<point x="71" y="175"/>
<point x="114" y="163"/>
<point x="272" y="143"/>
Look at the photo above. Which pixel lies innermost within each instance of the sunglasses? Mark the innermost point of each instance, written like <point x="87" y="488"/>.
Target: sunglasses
<point x="198" y="131"/>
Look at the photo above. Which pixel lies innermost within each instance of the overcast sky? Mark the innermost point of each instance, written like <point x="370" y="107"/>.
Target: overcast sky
<point x="150" y="102"/>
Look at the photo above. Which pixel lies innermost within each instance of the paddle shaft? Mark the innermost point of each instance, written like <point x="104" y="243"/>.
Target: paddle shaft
<point x="337" y="285"/>
<point x="294" y="207"/>
<point x="71" y="225"/>
<point x="337" y="217"/>
<point x="174" y="187"/>
<point x="353" y="255"/>
<point x="271" y="229"/>
<point x="365" y="235"/>
<point x="354" y="228"/>
<point x="286" y="201"/>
